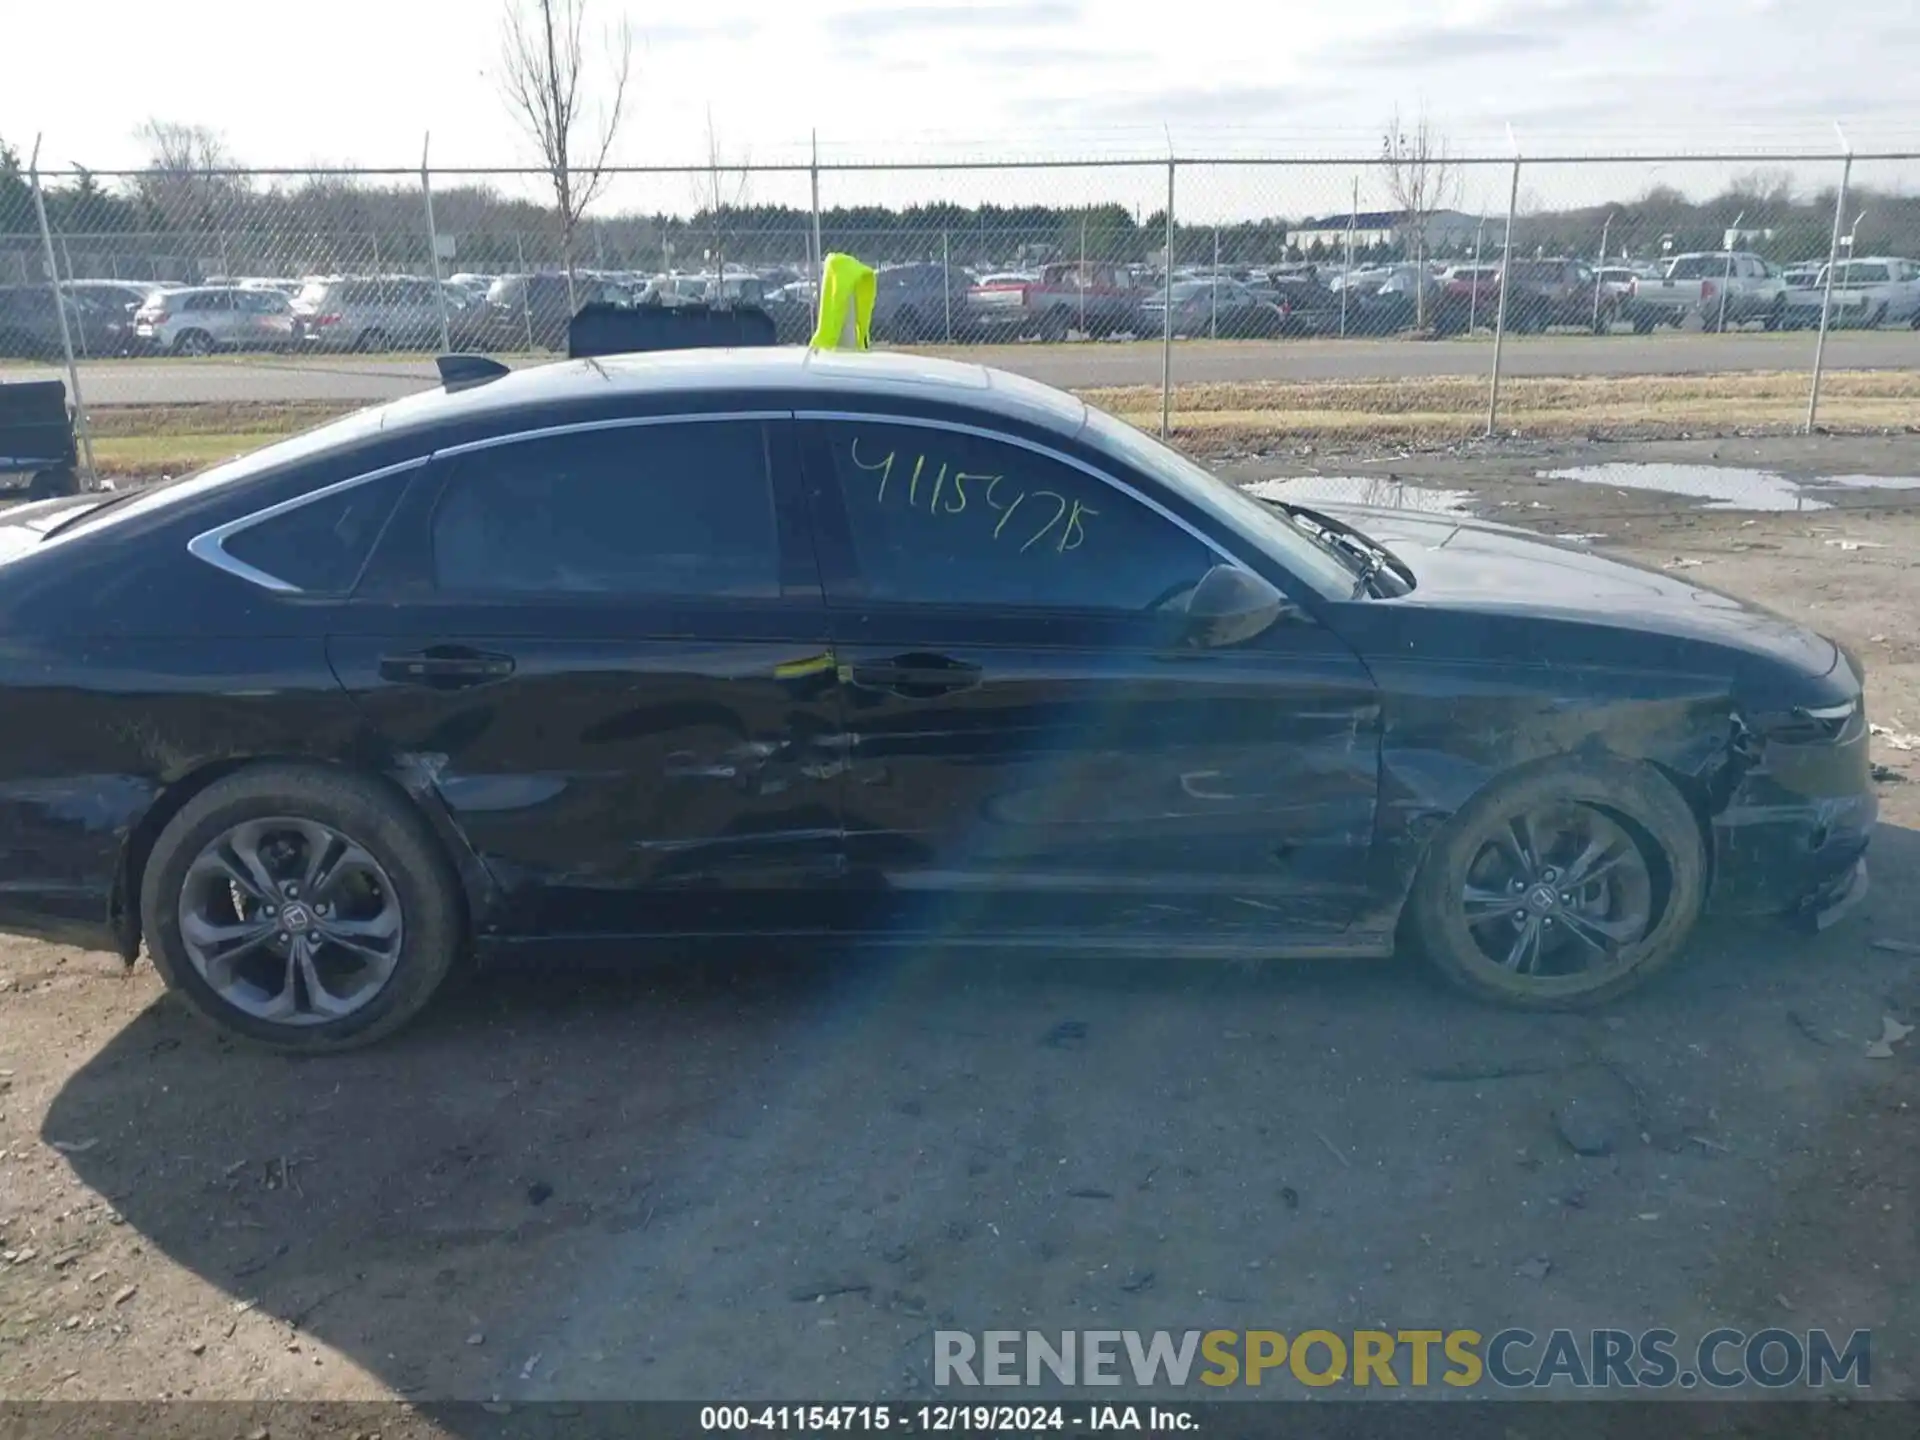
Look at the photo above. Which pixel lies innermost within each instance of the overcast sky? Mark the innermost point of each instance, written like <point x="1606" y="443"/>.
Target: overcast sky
<point x="361" y="81"/>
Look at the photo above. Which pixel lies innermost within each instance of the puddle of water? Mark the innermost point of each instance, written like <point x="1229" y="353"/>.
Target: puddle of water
<point x="1729" y="487"/>
<point x="1869" y="482"/>
<point x="1363" y="490"/>
<point x="1722" y="487"/>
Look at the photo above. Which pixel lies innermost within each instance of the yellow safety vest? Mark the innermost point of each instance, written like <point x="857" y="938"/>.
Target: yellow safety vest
<point x="846" y="304"/>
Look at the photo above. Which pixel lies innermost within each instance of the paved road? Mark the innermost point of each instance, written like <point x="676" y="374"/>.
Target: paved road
<point x="348" y="378"/>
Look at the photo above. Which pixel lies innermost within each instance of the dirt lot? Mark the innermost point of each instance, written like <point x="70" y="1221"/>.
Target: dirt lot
<point x="775" y="1175"/>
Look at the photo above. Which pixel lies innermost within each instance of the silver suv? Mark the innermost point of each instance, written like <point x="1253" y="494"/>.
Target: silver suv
<point x="368" y="312"/>
<point x="203" y="319"/>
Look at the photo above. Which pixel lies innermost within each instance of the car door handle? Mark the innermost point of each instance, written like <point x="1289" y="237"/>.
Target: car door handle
<point x="446" y="667"/>
<point x="915" y="676"/>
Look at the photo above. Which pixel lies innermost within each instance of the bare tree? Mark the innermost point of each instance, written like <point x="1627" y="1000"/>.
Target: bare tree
<point x="1422" y="178"/>
<point x="544" y="77"/>
<point x="718" y="189"/>
<point x="183" y="184"/>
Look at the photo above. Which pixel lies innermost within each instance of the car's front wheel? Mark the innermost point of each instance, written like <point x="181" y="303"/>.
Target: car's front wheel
<point x="305" y="908"/>
<point x="1562" y="885"/>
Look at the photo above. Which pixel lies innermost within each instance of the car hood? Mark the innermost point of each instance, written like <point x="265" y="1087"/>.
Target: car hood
<point x="1463" y="564"/>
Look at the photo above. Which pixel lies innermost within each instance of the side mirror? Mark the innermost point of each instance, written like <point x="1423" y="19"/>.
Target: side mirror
<point x="1230" y="605"/>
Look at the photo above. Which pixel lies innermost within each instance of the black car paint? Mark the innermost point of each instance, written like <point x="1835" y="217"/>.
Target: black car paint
<point x="133" y="673"/>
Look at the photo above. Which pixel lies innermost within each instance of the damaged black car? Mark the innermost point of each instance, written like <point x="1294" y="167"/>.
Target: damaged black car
<point x="848" y="648"/>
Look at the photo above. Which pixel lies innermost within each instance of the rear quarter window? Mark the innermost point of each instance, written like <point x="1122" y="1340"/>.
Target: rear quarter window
<point x="320" y="546"/>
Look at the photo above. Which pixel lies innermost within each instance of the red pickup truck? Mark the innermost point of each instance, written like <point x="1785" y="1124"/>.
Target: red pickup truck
<point x="1097" y="300"/>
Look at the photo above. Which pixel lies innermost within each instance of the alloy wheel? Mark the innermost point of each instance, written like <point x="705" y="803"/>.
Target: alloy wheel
<point x="1555" y="891"/>
<point x="290" y="921"/>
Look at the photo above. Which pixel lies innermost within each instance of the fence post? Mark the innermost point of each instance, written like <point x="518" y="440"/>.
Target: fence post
<point x="1213" y="312"/>
<point x="526" y="305"/>
<point x="1346" y="280"/>
<point x="1732" y="238"/>
<point x="60" y="311"/>
<point x="1826" y="291"/>
<point x="1598" y="265"/>
<point x="433" y="249"/>
<point x="1473" y="290"/>
<point x="1500" y="316"/>
<point x="1083" y="273"/>
<point x="819" y="255"/>
<point x="946" y="279"/>
<point x="1166" y="319"/>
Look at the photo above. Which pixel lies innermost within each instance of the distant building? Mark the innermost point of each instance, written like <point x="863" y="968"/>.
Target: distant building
<point x="1445" y="230"/>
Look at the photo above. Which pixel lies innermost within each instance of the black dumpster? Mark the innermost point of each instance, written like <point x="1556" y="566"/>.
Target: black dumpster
<point x="36" y="438"/>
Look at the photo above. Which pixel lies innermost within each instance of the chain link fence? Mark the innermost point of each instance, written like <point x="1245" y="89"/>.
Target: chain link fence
<point x="1410" y="297"/>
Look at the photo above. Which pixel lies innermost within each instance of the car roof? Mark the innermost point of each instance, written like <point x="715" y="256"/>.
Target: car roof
<point x="835" y="376"/>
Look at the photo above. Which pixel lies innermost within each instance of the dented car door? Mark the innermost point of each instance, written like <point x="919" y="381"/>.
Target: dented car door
<point x="607" y="648"/>
<point x="1027" y="751"/>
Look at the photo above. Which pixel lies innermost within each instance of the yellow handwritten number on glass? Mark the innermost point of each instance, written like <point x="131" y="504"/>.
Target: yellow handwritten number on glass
<point x="885" y="467"/>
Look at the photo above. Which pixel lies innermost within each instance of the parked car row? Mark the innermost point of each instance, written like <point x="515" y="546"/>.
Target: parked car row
<point x="923" y="303"/>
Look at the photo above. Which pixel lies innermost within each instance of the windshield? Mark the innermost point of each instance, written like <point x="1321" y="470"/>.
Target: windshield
<point x="1265" y="526"/>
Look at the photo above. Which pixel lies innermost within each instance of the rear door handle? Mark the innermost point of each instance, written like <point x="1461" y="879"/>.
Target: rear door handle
<point x="446" y="667"/>
<point x="915" y="676"/>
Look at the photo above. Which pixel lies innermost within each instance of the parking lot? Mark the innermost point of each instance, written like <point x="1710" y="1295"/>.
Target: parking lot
<point x="775" y="1174"/>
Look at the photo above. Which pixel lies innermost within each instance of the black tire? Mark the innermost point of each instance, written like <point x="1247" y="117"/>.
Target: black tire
<point x="1054" y="325"/>
<point x="906" y="326"/>
<point x="193" y="342"/>
<point x="371" y="341"/>
<point x="51" y="484"/>
<point x="1876" y="319"/>
<point x="1643" y="324"/>
<point x="1639" y="804"/>
<point x="357" y="807"/>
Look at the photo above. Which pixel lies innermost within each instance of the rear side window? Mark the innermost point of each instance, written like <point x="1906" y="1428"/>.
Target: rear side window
<point x="682" y="509"/>
<point x="322" y="545"/>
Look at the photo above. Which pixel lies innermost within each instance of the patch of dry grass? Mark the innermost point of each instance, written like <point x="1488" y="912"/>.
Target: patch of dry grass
<point x="1453" y="407"/>
<point x="148" y="441"/>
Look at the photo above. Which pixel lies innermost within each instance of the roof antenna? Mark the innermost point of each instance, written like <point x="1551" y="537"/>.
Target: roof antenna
<point x="463" y="372"/>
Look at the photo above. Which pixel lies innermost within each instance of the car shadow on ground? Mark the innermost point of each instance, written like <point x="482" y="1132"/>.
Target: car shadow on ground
<point x="712" y="1134"/>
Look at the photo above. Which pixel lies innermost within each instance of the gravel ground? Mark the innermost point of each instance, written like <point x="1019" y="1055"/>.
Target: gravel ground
<point x="776" y="1175"/>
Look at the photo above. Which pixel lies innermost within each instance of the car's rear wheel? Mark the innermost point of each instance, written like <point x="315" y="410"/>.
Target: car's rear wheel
<point x="304" y="908"/>
<point x="373" y="340"/>
<point x="193" y="342"/>
<point x="1562" y="885"/>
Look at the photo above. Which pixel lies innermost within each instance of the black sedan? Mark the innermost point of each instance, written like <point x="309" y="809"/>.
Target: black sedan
<point x="856" y="647"/>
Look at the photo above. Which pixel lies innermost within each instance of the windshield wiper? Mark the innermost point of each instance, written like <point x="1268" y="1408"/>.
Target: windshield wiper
<point x="1364" y="555"/>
